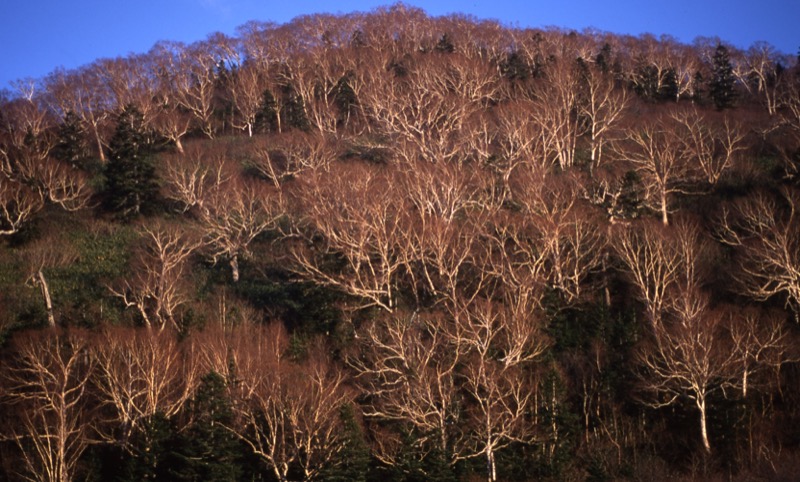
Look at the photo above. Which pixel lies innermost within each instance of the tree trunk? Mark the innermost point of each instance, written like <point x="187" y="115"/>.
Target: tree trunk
<point x="664" y="212"/>
<point x="178" y="145"/>
<point x="100" y="153"/>
<point x="703" y="428"/>
<point x="235" y="267"/>
<point x="48" y="302"/>
<point x="491" y="467"/>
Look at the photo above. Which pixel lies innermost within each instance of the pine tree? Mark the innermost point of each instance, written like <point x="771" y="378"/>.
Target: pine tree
<point x="131" y="187"/>
<point x="354" y="457"/>
<point x="721" y="86"/>
<point x="207" y="450"/>
<point x="70" y="147"/>
<point x="445" y="45"/>
<point x="267" y="116"/>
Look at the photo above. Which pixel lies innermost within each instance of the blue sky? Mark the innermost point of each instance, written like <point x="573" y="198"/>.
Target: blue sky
<point x="36" y="36"/>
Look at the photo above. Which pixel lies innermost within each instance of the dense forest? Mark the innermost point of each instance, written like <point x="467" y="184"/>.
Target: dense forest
<point x="388" y="246"/>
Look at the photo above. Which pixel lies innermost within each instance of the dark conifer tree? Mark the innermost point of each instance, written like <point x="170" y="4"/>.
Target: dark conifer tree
<point x="131" y="187"/>
<point x="207" y="450"/>
<point x="267" y="115"/>
<point x="513" y="67"/>
<point x="445" y="45"/>
<point x="294" y="110"/>
<point x="354" y="458"/>
<point x="603" y="58"/>
<point x="71" y="147"/>
<point x="722" y="83"/>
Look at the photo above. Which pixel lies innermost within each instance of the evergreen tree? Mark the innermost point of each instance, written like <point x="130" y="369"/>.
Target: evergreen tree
<point x="445" y="45"/>
<point x="345" y="99"/>
<point x="603" y="58"/>
<point x="294" y="110"/>
<point x="147" y="457"/>
<point x="354" y="458"/>
<point x="267" y="115"/>
<point x="207" y="450"/>
<point x="669" y="88"/>
<point x="131" y="187"/>
<point x="513" y="67"/>
<point x="70" y="147"/>
<point x="721" y="86"/>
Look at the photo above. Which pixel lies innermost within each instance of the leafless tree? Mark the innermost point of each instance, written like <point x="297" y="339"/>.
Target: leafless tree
<point x="246" y="92"/>
<point x="231" y="209"/>
<point x="41" y="256"/>
<point x="713" y="148"/>
<point x="765" y="230"/>
<point x="762" y="342"/>
<point x="603" y="104"/>
<point x="158" y="289"/>
<point x="652" y="262"/>
<point x="496" y="344"/>
<point x="691" y="358"/>
<point x="288" y="412"/>
<point x="356" y="218"/>
<point x="555" y="111"/>
<point x="18" y="204"/>
<point x="83" y="93"/>
<point x="654" y="150"/>
<point x="47" y="385"/>
<point x="408" y="364"/>
<point x="287" y="156"/>
<point x="140" y="373"/>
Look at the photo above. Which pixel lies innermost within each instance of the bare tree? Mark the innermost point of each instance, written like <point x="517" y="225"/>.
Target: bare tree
<point x="653" y="264"/>
<point x="762" y="342"/>
<point x="83" y="93"/>
<point x="654" y="150"/>
<point x="286" y="156"/>
<point x="408" y="364"/>
<point x="48" y="384"/>
<point x="18" y="204"/>
<point x="497" y="344"/>
<point x="140" y="373"/>
<point x="42" y="256"/>
<point x="358" y="219"/>
<point x="232" y="210"/>
<point x="288" y="412"/>
<point x="158" y="289"/>
<point x="692" y="358"/>
<point x="246" y="90"/>
<point x="712" y="148"/>
<point x="555" y="110"/>
<point x="189" y="72"/>
<point x="603" y="105"/>
<point x="760" y="67"/>
<point x="765" y="230"/>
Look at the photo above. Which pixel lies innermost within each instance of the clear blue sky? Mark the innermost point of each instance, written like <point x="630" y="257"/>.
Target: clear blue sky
<point x="36" y="36"/>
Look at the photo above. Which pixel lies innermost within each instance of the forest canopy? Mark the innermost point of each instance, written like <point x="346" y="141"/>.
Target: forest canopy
<point x="389" y="246"/>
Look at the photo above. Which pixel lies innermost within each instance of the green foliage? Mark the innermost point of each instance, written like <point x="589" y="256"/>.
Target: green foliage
<point x="345" y="99"/>
<point x="131" y="183"/>
<point x="414" y="466"/>
<point x="80" y="288"/>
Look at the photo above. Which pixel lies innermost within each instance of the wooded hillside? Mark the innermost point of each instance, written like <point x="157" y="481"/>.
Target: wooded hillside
<point x="388" y="246"/>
